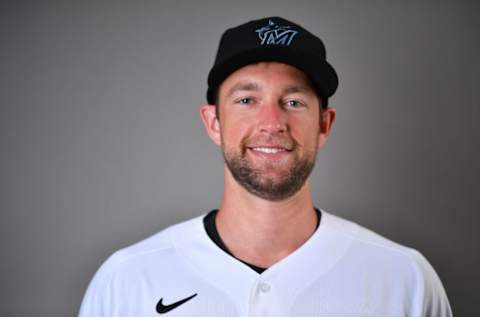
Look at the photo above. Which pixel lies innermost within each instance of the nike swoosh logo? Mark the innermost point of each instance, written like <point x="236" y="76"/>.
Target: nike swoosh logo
<point x="162" y="309"/>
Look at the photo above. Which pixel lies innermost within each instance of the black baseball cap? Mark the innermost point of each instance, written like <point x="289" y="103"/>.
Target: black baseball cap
<point x="273" y="39"/>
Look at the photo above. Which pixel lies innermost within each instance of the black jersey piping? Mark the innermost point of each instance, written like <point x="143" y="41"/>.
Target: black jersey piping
<point x="212" y="232"/>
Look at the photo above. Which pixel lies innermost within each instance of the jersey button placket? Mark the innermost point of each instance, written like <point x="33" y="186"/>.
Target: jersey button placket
<point x="264" y="287"/>
<point x="261" y="300"/>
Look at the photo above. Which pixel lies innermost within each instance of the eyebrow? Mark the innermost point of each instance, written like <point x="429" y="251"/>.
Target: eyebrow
<point x="252" y="86"/>
<point x="297" y="88"/>
<point x="243" y="86"/>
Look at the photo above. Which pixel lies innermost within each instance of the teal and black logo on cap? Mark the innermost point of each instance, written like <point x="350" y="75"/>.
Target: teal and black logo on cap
<point x="274" y="34"/>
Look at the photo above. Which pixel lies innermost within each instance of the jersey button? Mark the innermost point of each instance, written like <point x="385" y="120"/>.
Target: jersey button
<point x="264" y="287"/>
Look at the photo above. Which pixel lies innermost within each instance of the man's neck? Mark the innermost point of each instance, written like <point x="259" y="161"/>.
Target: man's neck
<point x="263" y="232"/>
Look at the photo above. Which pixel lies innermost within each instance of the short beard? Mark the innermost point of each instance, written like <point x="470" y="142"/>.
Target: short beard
<point x="251" y="179"/>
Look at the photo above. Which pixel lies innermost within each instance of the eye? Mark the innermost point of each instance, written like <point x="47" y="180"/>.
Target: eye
<point x="245" y="101"/>
<point x="294" y="103"/>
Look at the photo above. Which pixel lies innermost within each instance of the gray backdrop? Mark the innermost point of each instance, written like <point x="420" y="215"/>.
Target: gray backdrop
<point x="101" y="143"/>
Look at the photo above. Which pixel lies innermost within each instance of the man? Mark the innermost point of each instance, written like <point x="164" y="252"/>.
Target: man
<point x="267" y="251"/>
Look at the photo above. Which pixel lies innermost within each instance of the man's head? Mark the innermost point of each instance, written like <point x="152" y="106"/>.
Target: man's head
<point x="271" y="121"/>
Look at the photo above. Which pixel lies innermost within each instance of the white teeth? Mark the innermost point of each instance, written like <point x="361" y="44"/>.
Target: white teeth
<point x="268" y="149"/>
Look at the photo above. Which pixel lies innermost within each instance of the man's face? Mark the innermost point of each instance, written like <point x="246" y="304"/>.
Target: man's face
<point x="269" y="128"/>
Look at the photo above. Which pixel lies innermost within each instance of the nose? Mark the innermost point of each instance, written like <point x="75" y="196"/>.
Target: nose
<point x="272" y="118"/>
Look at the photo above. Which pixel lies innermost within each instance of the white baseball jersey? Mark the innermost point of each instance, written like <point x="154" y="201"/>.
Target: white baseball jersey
<point x="341" y="270"/>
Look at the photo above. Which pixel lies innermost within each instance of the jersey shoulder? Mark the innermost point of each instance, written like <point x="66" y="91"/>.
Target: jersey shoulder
<point x="134" y="264"/>
<point x="400" y="263"/>
<point x="156" y="246"/>
<point x="366" y="238"/>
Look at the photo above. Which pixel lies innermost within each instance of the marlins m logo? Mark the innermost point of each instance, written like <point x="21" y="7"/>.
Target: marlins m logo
<point x="275" y="34"/>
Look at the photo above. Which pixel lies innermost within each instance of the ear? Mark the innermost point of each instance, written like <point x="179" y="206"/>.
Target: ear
<point x="211" y="123"/>
<point x="327" y="118"/>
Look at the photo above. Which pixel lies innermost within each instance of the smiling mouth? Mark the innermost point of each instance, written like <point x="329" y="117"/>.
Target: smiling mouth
<point x="269" y="150"/>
